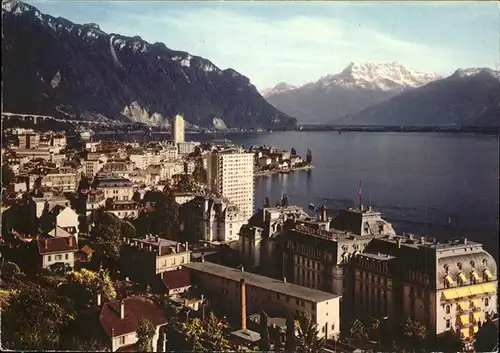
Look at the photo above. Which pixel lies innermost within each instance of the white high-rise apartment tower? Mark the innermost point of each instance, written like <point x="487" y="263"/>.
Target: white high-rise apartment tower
<point x="230" y="174"/>
<point x="177" y="126"/>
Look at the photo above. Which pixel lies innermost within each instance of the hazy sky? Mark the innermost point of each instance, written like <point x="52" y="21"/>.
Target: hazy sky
<point x="299" y="42"/>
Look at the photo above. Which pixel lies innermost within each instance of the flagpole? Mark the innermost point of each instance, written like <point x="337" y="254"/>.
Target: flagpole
<point x="360" y="194"/>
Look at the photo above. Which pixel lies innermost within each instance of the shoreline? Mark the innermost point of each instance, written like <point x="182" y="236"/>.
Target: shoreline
<point x="278" y="171"/>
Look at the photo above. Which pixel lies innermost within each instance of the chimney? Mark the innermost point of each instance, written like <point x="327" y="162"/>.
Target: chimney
<point x="122" y="309"/>
<point x="464" y="241"/>
<point x="398" y="242"/>
<point x="46" y="243"/>
<point x="422" y="240"/>
<point x="323" y="218"/>
<point x="98" y="299"/>
<point x="178" y="247"/>
<point x="242" y="269"/>
<point x="70" y="241"/>
<point x="243" y="305"/>
<point x="187" y="246"/>
<point x="157" y="239"/>
<point x="202" y="258"/>
<point x="284" y="279"/>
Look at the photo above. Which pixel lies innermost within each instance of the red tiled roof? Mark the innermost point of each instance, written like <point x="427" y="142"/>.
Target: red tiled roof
<point x="176" y="279"/>
<point x="55" y="245"/>
<point x="87" y="250"/>
<point x="135" y="309"/>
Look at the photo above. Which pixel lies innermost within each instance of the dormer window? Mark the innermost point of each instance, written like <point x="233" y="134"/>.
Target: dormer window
<point x="462" y="279"/>
<point x="446" y="269"/>
<point x="474" y="277"/>
<point x="487" y="276"/>
<point x="448" y="281"/>
<point x="459" y="265"/>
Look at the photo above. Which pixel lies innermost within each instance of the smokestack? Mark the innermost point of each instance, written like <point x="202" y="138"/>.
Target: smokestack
<point x="122" y="309"/>
<point x="323" y="214"/>
<point x="98" y="299"/>
<point x="243" y="305"/>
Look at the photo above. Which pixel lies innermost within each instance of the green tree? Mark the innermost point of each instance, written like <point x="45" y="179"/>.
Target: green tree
<point x="486" y="337"/>
<point x="199" y="173"/>
<point x="374" y="332"/>
<point x="413" y="332"/>
<point x="186" y="183"/>
<point x="450" y="342"/>
<point x="214" y="334"/>
<point x="167" y="215"/>
<point x="264" y="343"/>
<point x="145" y="333"/>
<point x="193" y="331"/>
<point x="308" y="340"/>
<point x="34" y="319"/>
<point x="93" y="283"/>
<point x="107" y="236"/>
<point x="357" y="331"/>
<point x="128" y="229"/>
<point x="7" y="175"/>
<point x="9" y="271"/>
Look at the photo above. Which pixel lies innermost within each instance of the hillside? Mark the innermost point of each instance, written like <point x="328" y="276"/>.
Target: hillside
<point x="52" y="66"/>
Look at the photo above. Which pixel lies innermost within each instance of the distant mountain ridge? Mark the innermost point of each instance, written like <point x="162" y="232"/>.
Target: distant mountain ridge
<point x="468" y="97"/>
<point x="356" y="88"/>
<point x="55" y="67"/>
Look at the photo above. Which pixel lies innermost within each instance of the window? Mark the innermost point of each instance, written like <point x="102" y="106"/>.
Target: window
<point x="448" y="323"/>
<point x="66" y="256"/>
<point x="58" y="257"/>
<point x="122" y="340"/>
<point x="49" y="258"/>
<point x="333" y="327"/>
<point x="486" y="301"/>
<point x="297" y="302"/>
<point x="448" y="309"/>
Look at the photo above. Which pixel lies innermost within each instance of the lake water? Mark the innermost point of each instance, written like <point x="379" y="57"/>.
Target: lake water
<point x="441" y="185"/>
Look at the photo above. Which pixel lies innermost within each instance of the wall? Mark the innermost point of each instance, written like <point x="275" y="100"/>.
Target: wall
<point x="70" y="261"/>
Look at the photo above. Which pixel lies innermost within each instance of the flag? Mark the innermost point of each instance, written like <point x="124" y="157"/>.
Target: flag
<point x="359" y="188"/>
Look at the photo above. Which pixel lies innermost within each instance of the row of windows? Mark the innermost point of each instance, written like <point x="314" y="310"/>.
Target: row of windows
<point x="472" y="305"/>
<point x="58" y="257"/>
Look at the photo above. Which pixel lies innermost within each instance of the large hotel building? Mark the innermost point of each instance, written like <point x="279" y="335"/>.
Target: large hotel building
<point x="177" y="126"/>
<point x="450" y="286"/>
<point x="230" y="175"/>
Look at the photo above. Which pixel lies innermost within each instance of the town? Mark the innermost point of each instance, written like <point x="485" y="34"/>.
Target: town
<point x="159" y="246"/>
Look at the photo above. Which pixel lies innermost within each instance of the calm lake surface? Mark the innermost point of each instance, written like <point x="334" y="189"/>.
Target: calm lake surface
<point x="441" y="185"/>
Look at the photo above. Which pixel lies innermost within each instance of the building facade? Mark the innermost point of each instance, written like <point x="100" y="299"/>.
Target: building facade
<point x="177" y="126"/>
<point x="143" y="259"/>
<point x="230" y="173"/>
<point x="277" y="297"/>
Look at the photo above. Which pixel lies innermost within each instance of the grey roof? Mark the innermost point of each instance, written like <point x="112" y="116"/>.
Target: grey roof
<point x="268" y="283"/>
<point x="247" y="335"/>
<point x="157" y="241"/>
<point x="378" y="256"/>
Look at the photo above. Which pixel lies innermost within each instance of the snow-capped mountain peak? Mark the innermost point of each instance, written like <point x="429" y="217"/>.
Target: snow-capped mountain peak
<point x="475" y="71"/>
<point x="387" y="77"/>
<point x="279" y="88"/>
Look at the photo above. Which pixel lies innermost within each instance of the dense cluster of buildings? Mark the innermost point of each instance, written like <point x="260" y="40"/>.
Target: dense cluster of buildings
<point x="334" y="269"/>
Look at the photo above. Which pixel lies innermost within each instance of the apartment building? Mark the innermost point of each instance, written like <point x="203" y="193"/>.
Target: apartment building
<point x="140" y="159"/>
<point x="46" y="202"/>
<point x="449" y="286"/>
<point x="28" y="140"/>
<point x="124" y="209"/>
<point x="213" y="218"/>
<point x="92" y="166"/>
<point x="173" y="168"/>
<point x="143" y="259"/>
<point x="57" y="250"/>
<point x="116" y="188"/>
<point x="230" y="174"/>
<point x="42" y="153"/>
<point x="177" y="126"/>
<point x="225" y="285"/>
<point x="61" y="181"/>
<point x="170" y="152"/>
<point x="58" y="140"/>
<point x="95" y="200"/>
<point x="186" y="148"/>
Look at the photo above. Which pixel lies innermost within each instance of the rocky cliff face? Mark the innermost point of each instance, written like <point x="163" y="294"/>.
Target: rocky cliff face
<point x="55" y="67"/>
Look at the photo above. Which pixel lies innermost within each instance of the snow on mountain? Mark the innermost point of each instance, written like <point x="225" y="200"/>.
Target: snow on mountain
<point x="387" y="77"/>
<point x="475" y="71"/>
<point x="279" y="88"/>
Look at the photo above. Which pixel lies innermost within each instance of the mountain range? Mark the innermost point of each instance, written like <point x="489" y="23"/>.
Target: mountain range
<point x="52" y="66"/>
<point x="390" y="94"/>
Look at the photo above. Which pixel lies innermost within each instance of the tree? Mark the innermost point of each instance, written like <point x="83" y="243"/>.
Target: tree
<point x="34" y="319"/>
<point x="413" y="331"/>
<point x="214" y="334"/>
<point x="199" y="173"/>
<point x="375" y="329"/>
<point x="167" y="214"/>
<point x="267" y="203"/>
<point x="264" y="343"/>
<point x="145" y="333"/>
<point x="9" y="271"/>
<point x="186" y="183"/>
<point x="7" y="175"/>
<point x="106" y="234"/>
<point x="451" y="342"/>
<point x="193" y="330"/>
<point x="293" y="152"/>
<point x="486" y="337"/>
<point x="307" y="338"/>
<point x="290" y="342"/>
<point x="93" y="283"/>
<point x="357" y="331"/>
<point x="127" y="229"/>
